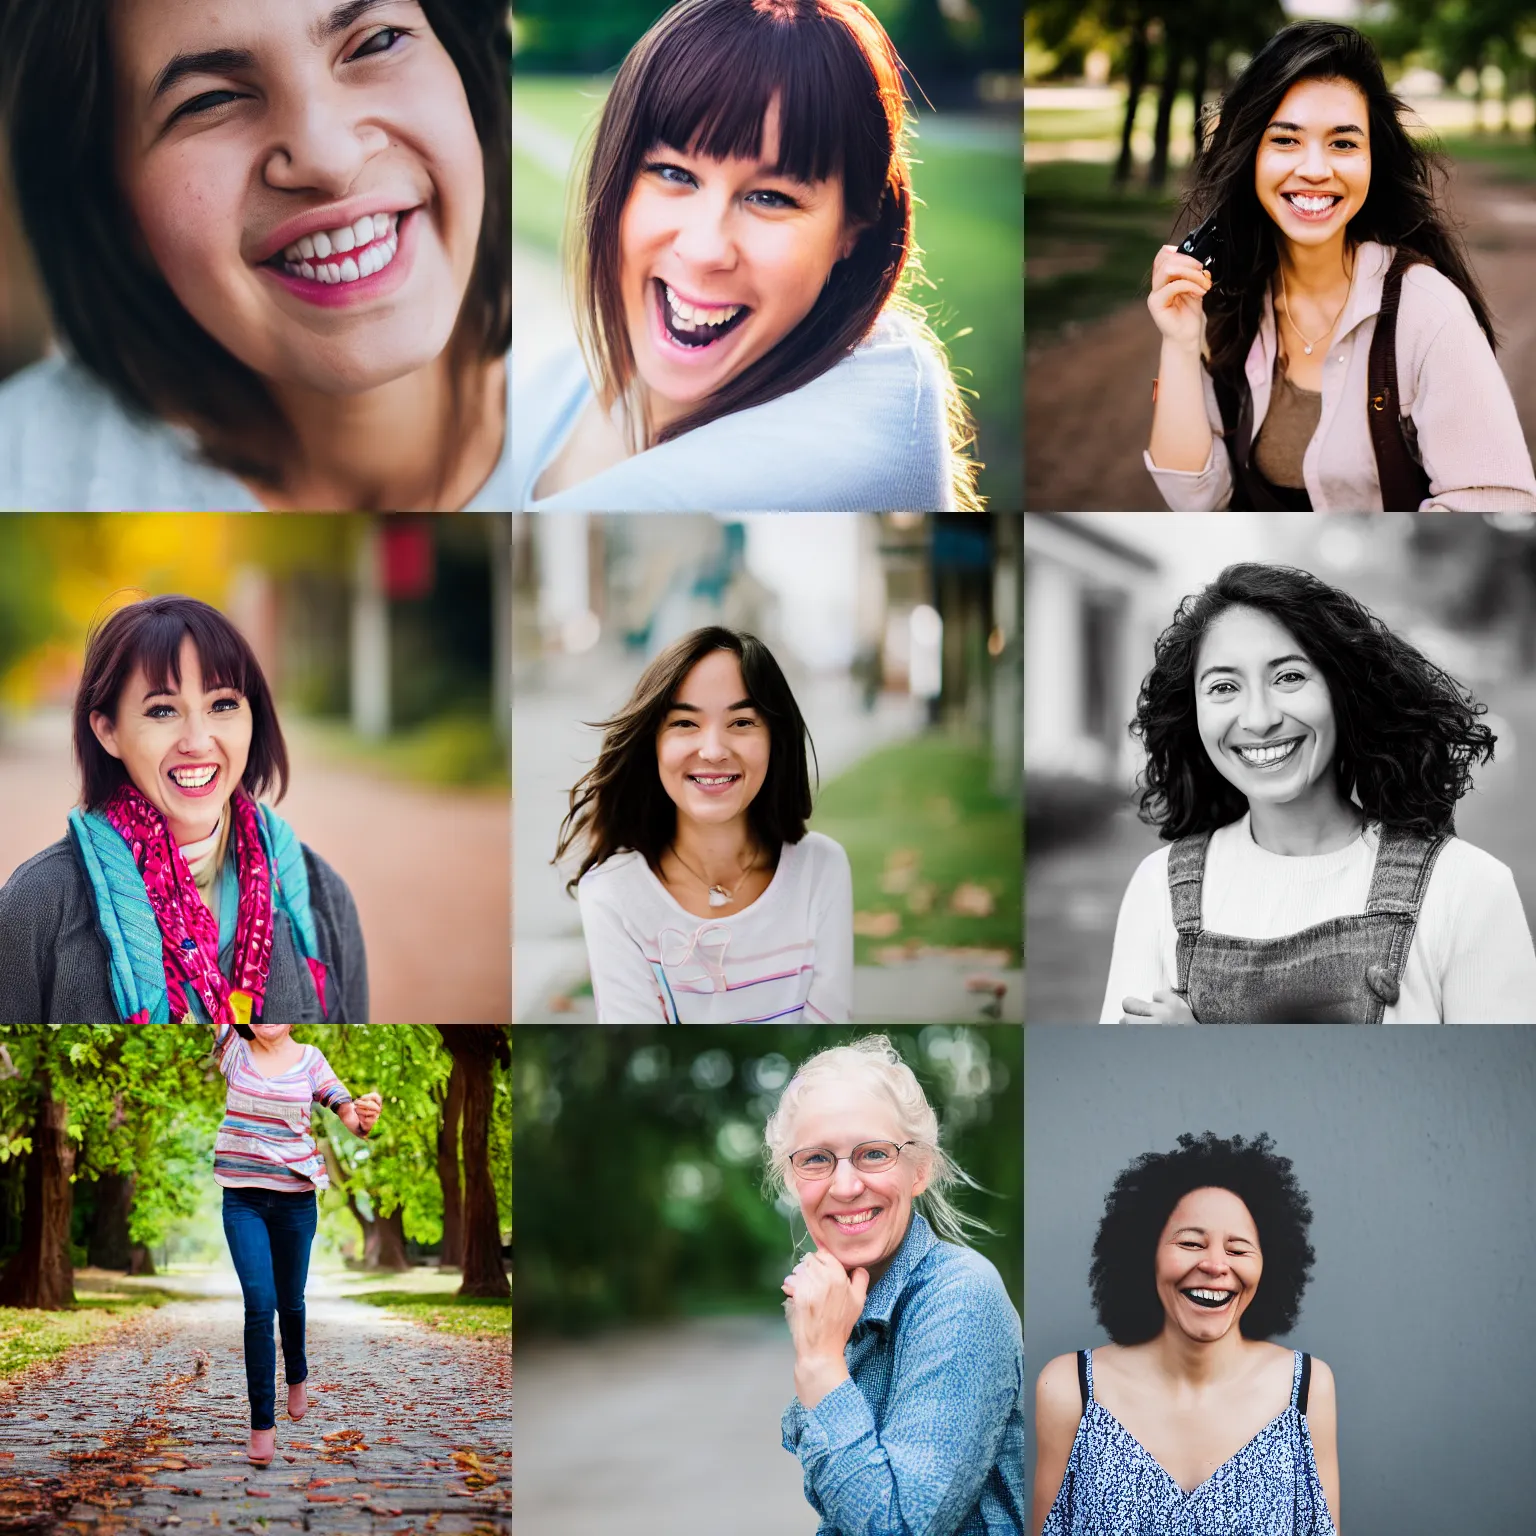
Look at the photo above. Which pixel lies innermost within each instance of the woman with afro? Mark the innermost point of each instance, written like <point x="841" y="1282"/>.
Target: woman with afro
<point x="1190" y="1420"/>
<point x="1304" y="764"/>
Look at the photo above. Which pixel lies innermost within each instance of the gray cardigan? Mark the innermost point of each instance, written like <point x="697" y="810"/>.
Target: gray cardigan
<point x="53" y="960"/>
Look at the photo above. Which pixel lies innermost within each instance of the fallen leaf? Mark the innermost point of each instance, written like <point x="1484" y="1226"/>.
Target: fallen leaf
<point x="327" y="1498"/>
<point x="876" y="925"/>
<point x="258" y="1493"/>
<point x="972" y="900"/>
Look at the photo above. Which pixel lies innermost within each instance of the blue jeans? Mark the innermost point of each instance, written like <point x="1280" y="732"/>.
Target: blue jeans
<point x="269" y="1235"/>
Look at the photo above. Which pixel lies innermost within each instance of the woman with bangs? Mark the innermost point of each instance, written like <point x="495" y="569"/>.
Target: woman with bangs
<point x="739" y="249"/>
<point x="281" y="275"/>
<point x="704" y="899"/>
<point x="1304" y="764"/>
<point x="174" y="895"/>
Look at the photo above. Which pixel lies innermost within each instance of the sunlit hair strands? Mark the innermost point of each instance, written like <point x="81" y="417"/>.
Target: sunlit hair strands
<point x="702" y="81"/>
<point x="875" y="1065"/>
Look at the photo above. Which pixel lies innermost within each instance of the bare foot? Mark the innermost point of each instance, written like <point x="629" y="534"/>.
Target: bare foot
<point x="298" y="1401"/>
<point x="263" y="1443"/>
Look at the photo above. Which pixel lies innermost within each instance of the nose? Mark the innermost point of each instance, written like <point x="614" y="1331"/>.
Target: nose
<point x="846" y="1182"/>
<point x="1314" y="162"/>
<point x="197" y="738"/>
<point x="703" y="238"/>
<point x="712" y="746"/>
<point x="322" y="141"/>
<point x="1260" y="714"/>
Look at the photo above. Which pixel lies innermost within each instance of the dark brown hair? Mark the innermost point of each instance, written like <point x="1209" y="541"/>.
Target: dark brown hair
<point x="701" y="81"/>
<point x="149" y="634"/>
<point x="108" y="300"/>
<point x="620" y="804"/>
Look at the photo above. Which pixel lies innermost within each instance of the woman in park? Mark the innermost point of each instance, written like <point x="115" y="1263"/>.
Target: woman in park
<point x="743" y="230"/>
<point x="281" y="277"/>
<point x="1304" y="762"/>
<point x="1189" y="1420"/>
<point x="266" y="1162"/>
<point x="704" y="899"/>
<point x="174" y="895"/>
<point x="1326" y="346"/>
<point x="908" y="1417"/>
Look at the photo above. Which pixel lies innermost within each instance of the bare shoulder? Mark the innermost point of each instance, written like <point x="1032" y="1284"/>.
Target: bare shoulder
<point x="1322" y="1392"/>
<point x="1058" y="1396"/>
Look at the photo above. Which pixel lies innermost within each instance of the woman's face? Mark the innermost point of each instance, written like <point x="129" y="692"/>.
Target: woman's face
<point x="1208" y="1264"/>
<point x="719" y="261"/>
<point x="1263" y="710"/>
<point x="712" y="749"/>
<point x="184" y="748"/>
<point x="262" y="139"/>
<point x="1313" y="168"/>
<point x="270" y="1035"/>
<point x="860" y="1218"/>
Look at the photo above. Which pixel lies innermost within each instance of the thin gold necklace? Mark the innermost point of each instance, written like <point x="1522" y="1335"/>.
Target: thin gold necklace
<point x="718" y="895"/>
<point x="1306" y="345"/>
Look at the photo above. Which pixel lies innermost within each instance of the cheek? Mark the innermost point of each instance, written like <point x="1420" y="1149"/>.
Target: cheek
<point x="189" y="217"/>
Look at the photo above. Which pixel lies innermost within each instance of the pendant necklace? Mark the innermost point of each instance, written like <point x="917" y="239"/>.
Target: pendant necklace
<point x="1306" y="345"/>
<point x="718" y="895"/>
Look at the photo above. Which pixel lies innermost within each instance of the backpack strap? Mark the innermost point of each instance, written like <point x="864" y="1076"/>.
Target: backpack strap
<point x="1301" y="1382"/>
<point x="1404" y="485"/>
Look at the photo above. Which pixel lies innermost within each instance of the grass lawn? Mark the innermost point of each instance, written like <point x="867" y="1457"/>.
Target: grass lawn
<point x="1513" y="158"/>
<point x="29" y="1335"/>
<point x="929" y="800"/>
<point x="477" y="1317"/>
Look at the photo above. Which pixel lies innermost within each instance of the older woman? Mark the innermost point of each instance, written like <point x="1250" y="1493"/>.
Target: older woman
<point x="174" y="895"/>
<point x="908" y="1416"/>
<point x="1190" y="1421"/>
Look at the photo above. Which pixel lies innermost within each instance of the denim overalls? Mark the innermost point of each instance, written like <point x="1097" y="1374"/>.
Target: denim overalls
<point x="1346" y="970"/>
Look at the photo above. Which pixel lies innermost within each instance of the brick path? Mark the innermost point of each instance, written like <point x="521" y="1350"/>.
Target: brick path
<point x="408" y="1431"/>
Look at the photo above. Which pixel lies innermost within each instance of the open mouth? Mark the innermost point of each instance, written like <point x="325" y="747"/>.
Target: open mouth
<point x="856" y="1221"/>
<point x="1212" y="1301"/>
<point x="356" y="261"/>
<point x="1270" y="755"/>
<point x="1312" y="205"/>
<point x="691" y="326"/>
<point x="197" y="781"/>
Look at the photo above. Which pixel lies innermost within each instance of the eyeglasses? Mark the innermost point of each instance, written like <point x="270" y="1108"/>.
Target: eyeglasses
<point x="868" y="1157"/>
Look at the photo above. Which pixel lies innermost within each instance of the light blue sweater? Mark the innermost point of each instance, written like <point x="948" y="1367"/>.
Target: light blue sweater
<point x="66" y="445"/>
<point x="868" y="435"/>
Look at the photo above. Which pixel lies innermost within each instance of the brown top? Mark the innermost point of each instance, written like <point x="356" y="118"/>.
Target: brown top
<point x="1288" y="426"/>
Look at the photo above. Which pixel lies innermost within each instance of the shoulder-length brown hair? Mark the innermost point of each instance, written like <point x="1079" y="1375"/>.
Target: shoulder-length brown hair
<point x="701" y="81"/>
<point x="109" y="303"/>
<point x="150" y="634"/>
<point x="620" y="805"/>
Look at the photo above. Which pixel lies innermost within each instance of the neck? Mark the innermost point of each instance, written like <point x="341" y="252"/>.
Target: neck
<point x="386" y="449"/>
<point x="660" y="413"/>
<point x="185" y="833"/>
<point x="1316" y="272"/>
<point x="1196" y="1362"/>
<point x="266" y="1046"/>
<point x="1323" y="823"/>
<point x="720" y="853"/>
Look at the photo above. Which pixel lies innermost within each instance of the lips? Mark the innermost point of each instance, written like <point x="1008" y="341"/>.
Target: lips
<point x="852" y="1223"/>
<point x="1312" y="206"/>
<point x="696" y="344"/>
<point x="713" y="783"/>
<point x="1210" y="1299"/>
<point x="1269" y="755"/>
<point x="195" y="779"/>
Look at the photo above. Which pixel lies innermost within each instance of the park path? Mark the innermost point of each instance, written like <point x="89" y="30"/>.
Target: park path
<point x="668" y="1431"/>
<point x="1088" y="395"/>
<point x="437" y="929"/>
<point x="409" y="1431"/>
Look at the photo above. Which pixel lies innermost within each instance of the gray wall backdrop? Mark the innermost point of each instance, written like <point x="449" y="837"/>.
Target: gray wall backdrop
<point x="1417" y="1148"/>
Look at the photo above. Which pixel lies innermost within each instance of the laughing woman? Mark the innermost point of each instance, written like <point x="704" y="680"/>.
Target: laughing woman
<point x="741" y="241"/>
<point x="282" y="276"/>
<point x="704" y="899"/>
<point x="1190" y="1421"/>
<point x="174" y="895"/>
<point x="1304" y="763"/>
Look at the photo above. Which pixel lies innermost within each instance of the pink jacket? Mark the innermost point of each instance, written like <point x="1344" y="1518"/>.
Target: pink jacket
<point x="1458" y="413"/>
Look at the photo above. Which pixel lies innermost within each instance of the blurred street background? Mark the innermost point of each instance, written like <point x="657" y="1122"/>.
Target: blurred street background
<point x="652" y="1357"/>
<point x="964" y="58"/>
<point x="1100" y="587"/>
<point x="899" y="635"/>
<point x="1110" y="104"/>
<point x="386" y="642"/>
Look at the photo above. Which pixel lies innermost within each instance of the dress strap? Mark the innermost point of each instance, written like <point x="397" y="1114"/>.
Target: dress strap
<point x="1085" y="1376"/>
<point x="1404" y="863"/>
<point x="1186" y="874"/>
<point x="1301" y="1380"/>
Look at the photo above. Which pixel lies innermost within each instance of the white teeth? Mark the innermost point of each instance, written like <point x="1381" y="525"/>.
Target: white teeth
<point x="350" y="237"/>
<point x="691" y="316"/>
<point x="362" y="231"/>
<point x="344" y="240"/>
<point x="307" y="270"/>
<point x="307" y="248"/>
<point x="856" y="1219"/>
<point x="322" y="244"/>
<point x="1263" y="756"/>
<point x="349" y="271"/>
<point x="193" y="778"/>
<point x="365" y="264"/>
<point x="381" y="223"/>
<point x="1217" y="1296"/>
<point x="1312" y="204"/>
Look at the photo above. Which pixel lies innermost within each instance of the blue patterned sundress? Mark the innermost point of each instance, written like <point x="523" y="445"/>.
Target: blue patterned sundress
<point x="1114" y="1487"/>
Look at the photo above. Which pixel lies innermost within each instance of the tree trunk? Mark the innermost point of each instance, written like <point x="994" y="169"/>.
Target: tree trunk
<point x="109" y="1247"/>
<point x="1198" y="86"/>
<point x="1173" y="69"/>
<point x="477" y="1047"/>
<point x="141" y="1261"/>
<point x="40" y="1273"/>
<point x="452" y="1255"/>
<point x="1135" y="83"/>
<point x="389" y="1245"/>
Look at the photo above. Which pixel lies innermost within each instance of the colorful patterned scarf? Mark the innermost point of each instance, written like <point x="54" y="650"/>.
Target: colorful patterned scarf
<point x="188" y="934"/>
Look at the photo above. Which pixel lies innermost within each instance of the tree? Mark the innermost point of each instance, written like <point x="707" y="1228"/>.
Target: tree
<point x="476" y="1050"/>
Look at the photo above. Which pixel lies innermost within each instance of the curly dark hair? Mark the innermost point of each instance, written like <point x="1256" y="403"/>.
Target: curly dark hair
<point x="1408" y="733"/>
<point x="1401" y="209"/>
<point x="1144" y="1197"/>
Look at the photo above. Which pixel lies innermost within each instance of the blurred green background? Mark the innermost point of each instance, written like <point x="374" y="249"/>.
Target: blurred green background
<point x="637" y="1163"/>
<point x="964" y="58"/>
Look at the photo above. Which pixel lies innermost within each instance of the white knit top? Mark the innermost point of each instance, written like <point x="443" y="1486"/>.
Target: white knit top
<point x="1471" y="960"/>
<point x="787" y="958"/>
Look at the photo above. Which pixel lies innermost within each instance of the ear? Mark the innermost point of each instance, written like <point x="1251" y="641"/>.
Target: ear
<point x="106" y="733"/>
<point x="920" y="1183"/>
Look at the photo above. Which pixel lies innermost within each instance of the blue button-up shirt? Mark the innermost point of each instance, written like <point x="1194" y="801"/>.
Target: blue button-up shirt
<point x="926" y="1438"/>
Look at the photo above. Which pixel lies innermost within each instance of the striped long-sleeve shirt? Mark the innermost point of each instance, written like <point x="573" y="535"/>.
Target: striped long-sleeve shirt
<point x="264" y="1142"/>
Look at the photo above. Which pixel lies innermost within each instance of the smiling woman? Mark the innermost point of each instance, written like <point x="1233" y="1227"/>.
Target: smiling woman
<point x="740" y="244"/>
<point x="174" y="895"/>
<point x="1304" y="763"/>
<point x="704" y="899"/>
<point x="282" y="277"/>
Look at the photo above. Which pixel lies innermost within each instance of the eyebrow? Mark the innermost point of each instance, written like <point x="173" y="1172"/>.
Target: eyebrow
<point x="1278" y="661"/>
<point x="1342" y="128"/>
<point x="693" y="709"/>
<point x="228" y="61"/>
